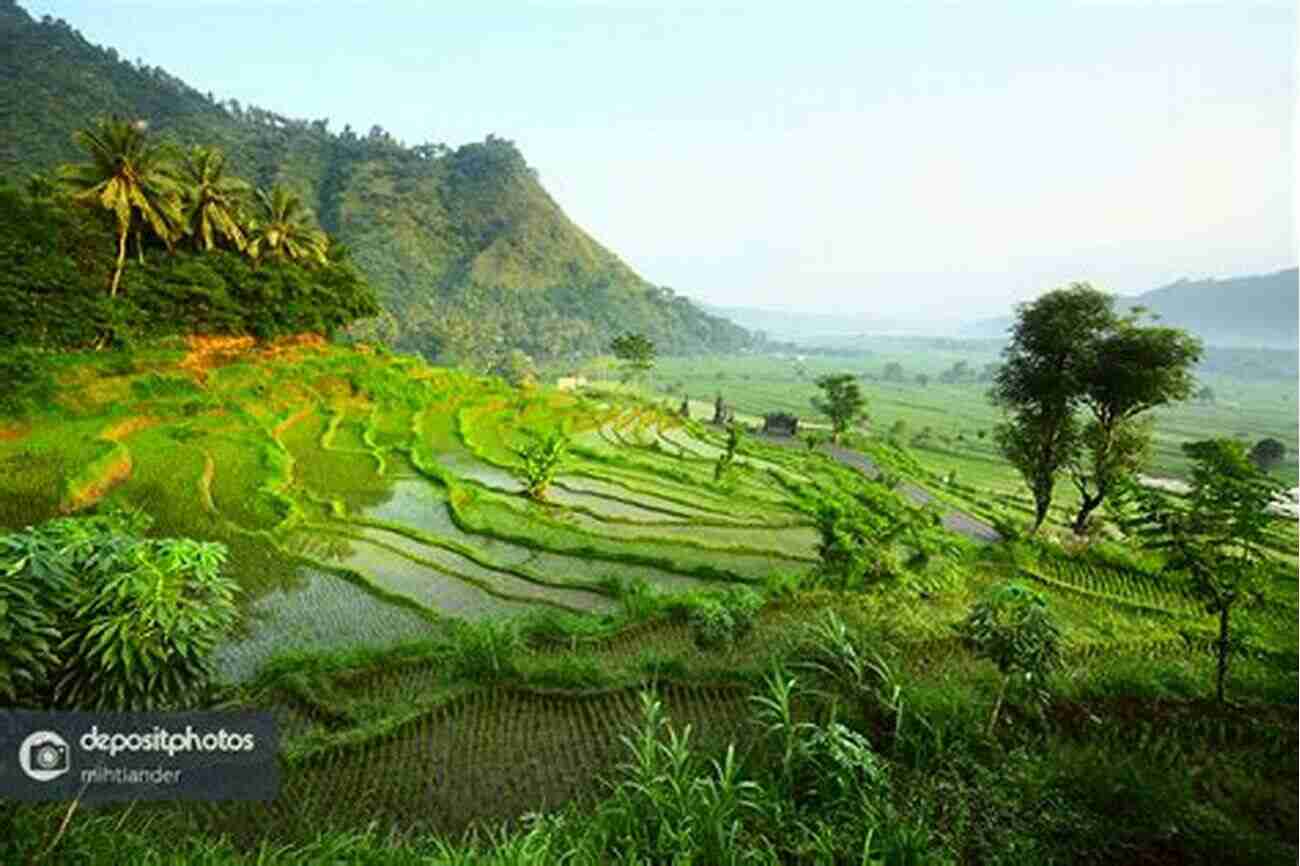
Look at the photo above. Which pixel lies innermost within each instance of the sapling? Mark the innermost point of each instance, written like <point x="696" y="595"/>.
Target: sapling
<point x="542" y="460"/>
<point x="1013" y="629"/>
<point x="1214" y="541"/>
<point x="722" y="469"/>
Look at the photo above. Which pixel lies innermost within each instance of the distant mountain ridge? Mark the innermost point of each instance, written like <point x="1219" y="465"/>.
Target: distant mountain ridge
<point x="799" y="324"/>
<point x="433" y="228"/>
<point x="1258" y="311"/>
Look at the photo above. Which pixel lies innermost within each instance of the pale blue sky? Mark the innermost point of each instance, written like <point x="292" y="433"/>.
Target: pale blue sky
<point x="936" y="159"/>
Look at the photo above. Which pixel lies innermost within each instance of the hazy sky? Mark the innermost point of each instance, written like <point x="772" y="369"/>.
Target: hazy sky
<point x="924" y="159"/>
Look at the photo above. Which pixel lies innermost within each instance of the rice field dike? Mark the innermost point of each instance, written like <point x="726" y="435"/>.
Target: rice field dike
<point x="650" y="659"/>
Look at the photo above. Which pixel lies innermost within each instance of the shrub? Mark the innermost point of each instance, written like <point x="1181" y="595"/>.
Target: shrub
<point x="712" y="625"/>
<point x="743" y="604"/>
<point x="719" y="619"/>
<point x="1012" y="628"/>
<point x="98" y="617"/>
<point x="26" y="381"/>
<point x="541" y="461"/>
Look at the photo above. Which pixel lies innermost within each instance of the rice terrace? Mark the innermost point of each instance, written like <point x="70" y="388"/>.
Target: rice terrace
<point x="532" y="561"/>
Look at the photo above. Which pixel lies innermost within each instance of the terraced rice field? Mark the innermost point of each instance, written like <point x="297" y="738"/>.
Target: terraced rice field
<point x="375" y="504"/>
<point x="490" y="752"/>
<point x="366" y="499"/>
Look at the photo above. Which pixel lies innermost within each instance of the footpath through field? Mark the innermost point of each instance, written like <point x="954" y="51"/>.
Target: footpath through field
<point x="953" y="520"/>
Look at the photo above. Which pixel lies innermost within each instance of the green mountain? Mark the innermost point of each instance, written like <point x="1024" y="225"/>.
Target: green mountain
<point x="463" y="246"/>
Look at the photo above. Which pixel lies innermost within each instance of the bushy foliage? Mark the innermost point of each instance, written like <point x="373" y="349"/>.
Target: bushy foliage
<point x="663" y="805"/>
<point x="1214" y="543"/>
<point x="58" y="262"/>
<point x="541" y="460"/>
<point x="1013" y="628"/>
<point x="722" y="618"/>
<point x="97" y="616"/>
<point x="26" y="381"/>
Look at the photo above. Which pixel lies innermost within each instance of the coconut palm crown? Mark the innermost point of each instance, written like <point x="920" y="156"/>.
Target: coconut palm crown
<point x="284" y="229"/>
<point x="212" y="199"/>
<point x="130" y="176"/>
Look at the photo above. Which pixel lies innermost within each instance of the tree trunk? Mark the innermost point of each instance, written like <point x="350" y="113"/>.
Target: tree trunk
<point x="1223" y="652"/>
<point x="139" y="246"/>
<point x="997" y="705"/>
<point x="1086" y="507"/>
<point x="1042" y="503"/>
<point x="121" y="262"/>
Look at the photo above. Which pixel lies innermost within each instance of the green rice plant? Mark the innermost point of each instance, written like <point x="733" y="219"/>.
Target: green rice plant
<point x="658" y="663"/>
<point x="662" y="807"/>
<point x="487" y="651"/>
<point x="581" y="671"/>
<point x="639" y="598"/>
<point x="550" y="627"/>
<point x="783" y="585"/>
<point x="744" y="605"/>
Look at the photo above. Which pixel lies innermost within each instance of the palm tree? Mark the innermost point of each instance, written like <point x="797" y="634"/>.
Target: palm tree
<point x="283" y="229"/>
<point x="129" y="176"/>
<point x="211" y="198"/>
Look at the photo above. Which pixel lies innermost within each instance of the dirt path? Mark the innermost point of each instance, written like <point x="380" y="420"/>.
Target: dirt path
<point x="953" y="520"/>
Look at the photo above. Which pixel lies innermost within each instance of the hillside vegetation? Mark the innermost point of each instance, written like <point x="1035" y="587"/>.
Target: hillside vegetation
<point x="454" y="240"/>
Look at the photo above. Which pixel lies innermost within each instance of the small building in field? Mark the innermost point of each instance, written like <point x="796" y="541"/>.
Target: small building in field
<point x="780" y="424"/>
<point x="571" y="383"/>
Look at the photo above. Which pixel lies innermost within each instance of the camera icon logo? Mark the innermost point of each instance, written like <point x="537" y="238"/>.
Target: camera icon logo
<point x="44" y="756"/>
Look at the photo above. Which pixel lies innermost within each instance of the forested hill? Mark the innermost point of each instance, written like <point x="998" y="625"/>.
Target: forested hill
<point x="463" y="246"/>
<point x="1256" y="311"/>
<point x="1250" y="312"/>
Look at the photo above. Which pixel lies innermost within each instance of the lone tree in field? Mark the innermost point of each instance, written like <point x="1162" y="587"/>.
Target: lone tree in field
<point x="635" y="352"/>
<point x="1070" y="351"/>
<point x="1133" y="370"/>
<point x="843" y="402"/>
<point x="1040" y="383"/>
<point x="1215" y="539"/>
<point x="1267" y="453"/>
